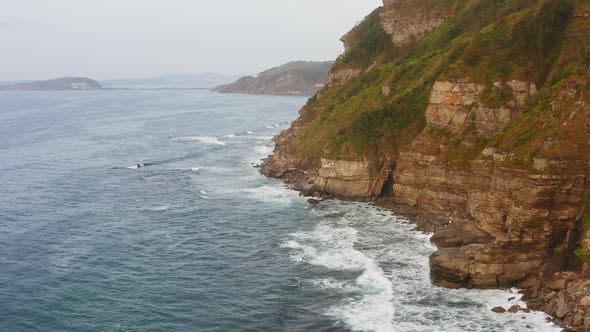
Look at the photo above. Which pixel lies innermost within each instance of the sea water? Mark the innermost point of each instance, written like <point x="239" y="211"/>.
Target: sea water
<point x="142" y="211"/>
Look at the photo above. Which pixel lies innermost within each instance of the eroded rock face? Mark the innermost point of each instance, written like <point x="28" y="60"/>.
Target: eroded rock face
<point x="482" y="266"/>
<point x="456" y="105"/>
<point x="356" y="179"/>
<point x="339" y="77"/>
<point x="521" y="208"/>
<point x="404" y="28"/>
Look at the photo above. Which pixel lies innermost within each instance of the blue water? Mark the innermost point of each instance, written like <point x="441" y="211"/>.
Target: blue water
<point x="196" y="240"/>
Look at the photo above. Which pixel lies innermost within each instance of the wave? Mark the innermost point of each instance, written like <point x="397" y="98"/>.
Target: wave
<point x="263" y="150"/>
<point x="267" y="193"/>
<point x="203" y="194"/>
<point x="159" y="208"/>
<point x="136" y="166"/>
<point x="332" y="247"/>
<point x="331" y="284"/>
<point x="203" y="139"/>
<point x="379" y="267"/>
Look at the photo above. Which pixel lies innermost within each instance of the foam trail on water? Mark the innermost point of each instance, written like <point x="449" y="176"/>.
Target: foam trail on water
<point x="332" y="246"/>
<point x="202" y="139"/>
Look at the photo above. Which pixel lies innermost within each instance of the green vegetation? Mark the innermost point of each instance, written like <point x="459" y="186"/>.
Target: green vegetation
<point x="368" y="42"/>
<point x="582" y="254"/>
<point x="382" y="109"/>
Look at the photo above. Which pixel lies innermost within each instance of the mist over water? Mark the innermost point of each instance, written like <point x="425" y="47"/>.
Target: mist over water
<point x="141" y="211"/>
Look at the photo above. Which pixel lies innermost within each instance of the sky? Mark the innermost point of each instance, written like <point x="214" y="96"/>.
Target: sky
<point x="110" y="39"/>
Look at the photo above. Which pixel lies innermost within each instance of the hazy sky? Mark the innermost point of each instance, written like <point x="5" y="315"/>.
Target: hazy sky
<point x="105" y="39"/>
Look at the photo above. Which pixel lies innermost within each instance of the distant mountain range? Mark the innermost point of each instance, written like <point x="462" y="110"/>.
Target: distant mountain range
<point x="63" y="83"/>
<point x="173" y="81"/>
<point x="293" y="78"/>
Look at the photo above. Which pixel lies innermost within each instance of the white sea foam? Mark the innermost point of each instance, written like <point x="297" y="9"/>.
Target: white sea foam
<point x="202" y="139"/>
<point x="203" y="194"/>
<point x="159" y="208"/>
<point x="136" y="166"/>
<point x="331" y="283"/>
<point x="332" y="246"/>
<point x="269" y="194"/>
<point x="249" y="132"/>
<point x="393" y="291"/>
<point x="263" y="150"/>
<point x="230" y="135"/>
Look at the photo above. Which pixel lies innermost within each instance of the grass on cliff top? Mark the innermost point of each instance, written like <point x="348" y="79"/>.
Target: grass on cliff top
<point x="485" y="41"/>
<point x="368" y="42"/>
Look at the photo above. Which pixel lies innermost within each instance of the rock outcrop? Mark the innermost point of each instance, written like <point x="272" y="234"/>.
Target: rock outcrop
<point x="353" y="179"/>
<point x="405" y="25"/>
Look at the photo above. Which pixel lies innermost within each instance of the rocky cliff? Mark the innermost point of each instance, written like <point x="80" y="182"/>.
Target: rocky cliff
<point x="475" y="114"/>
<point x="293" y="78"/>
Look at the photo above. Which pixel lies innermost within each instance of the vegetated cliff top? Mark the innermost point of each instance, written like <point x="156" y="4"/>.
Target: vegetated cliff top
<point x="64" y="83"/>
<point x="379" y="90"/>
<point x="293" y="78"/>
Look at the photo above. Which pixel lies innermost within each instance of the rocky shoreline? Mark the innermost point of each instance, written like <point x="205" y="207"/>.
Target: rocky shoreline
<point x="565" y="296"/>
<point x="467" y="137"/>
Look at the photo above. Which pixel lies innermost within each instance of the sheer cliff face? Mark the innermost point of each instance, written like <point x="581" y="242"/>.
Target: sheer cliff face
<point x="403" y="23"/>
<point x="453" y="108"/>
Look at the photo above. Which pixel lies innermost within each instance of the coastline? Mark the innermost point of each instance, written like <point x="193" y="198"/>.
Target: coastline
<point x="549" y="290"/>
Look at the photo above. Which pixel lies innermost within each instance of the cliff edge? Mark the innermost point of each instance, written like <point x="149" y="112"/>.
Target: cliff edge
<point x="473" y="114"/>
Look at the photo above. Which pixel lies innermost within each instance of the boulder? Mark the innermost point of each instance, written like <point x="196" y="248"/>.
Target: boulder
<point x="514" y="309"/>
<point x="558" y="284"/>
<point x="498" y="310"/>
<point x="561" y="306"/>
<point x="585" y="301"/>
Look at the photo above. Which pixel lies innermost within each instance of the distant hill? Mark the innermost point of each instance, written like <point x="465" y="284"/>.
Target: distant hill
<point x="172" y="81"/>
<point x="293" y="78"/>
<point x="64" y="83"/>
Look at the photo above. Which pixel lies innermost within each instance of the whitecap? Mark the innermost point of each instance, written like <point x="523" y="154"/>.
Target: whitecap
<point x="202" y="139"/>
<point x="230" y="135"/>
<point x="249" y="132"/>
<point x="136" y="166"/>
<point x="159" y="208"/>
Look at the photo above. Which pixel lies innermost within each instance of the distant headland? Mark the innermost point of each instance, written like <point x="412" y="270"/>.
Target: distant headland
<point x="293" y="78"/>
<point x="63" y="83"/>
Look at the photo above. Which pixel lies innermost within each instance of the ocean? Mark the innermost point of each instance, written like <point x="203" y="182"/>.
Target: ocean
<point x="142" y="211"/>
